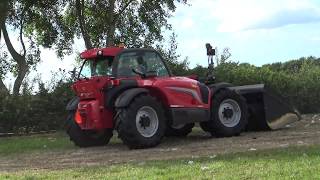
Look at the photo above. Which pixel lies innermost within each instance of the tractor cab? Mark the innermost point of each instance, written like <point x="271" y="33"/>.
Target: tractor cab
<point x="122" y="63"/>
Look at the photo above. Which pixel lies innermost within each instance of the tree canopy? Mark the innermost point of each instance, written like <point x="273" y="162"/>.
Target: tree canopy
<point x="103" y="23"/>
<point x="56" y="24"/>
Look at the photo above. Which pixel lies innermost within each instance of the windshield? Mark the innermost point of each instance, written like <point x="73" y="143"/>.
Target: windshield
<point x="98" y="67"/>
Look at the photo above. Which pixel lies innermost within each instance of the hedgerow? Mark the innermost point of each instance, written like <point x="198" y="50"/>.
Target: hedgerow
<point x="297" y="81"/>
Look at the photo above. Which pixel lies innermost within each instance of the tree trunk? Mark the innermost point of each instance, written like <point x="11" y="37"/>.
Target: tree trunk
<point x="22" y="71"/>
<point x="82" y="24"/>
<point x="3" y="88"/>
<point x="110" y="36"/>
<point x="111" y="23"/>
<point x="21" y="60"/>
<point x="3" y="12"/>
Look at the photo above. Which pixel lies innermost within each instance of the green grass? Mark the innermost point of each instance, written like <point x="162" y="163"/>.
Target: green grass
<point x="39" y="143"/>
<point x="46" y="142"/>
<point x="285" y="163"/>
<point x="26" y="144"/>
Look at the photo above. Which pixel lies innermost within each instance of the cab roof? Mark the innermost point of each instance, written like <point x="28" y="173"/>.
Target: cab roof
<point x="93" y="53"/>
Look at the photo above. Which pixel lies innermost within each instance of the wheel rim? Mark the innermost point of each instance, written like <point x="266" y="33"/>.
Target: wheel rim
<point x="147" y="121"/>
<point x="229" y="113"/>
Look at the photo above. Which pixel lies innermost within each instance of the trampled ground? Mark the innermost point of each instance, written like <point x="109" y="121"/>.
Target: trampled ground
<point x="198" y="144"/>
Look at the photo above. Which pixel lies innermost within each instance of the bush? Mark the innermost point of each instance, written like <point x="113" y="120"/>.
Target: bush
<point x="298" y="81"/>
<point x="32" y="113"/>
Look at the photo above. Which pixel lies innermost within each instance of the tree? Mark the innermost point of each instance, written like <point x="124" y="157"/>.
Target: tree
<point x="170" y="54"/>
<point x="136" y="23"/>
<point x="3" y="55"/>
<point x="3" y="11"/>
<point x="26" y="16"/>
<point x="4" y="67"/>
<point x="226" y="54"/>
<point x="6" y="6"/>
<point x="199" y="70"/>
<point x="54" y="24"/>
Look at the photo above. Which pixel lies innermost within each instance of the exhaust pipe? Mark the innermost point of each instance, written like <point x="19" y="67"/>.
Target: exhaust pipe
<point x="267" y="111"/>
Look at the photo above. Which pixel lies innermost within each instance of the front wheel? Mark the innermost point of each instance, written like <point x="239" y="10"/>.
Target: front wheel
<point x="229" y="114"/>
<point x="86" y="138"/>
<point x="142" y="124"/>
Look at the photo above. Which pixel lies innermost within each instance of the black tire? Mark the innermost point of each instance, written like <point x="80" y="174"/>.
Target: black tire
<point x="179" y="132"/>
<point x="216" y="126"/>
<point x="86" y="138"/>
<point x="128" y="126"/>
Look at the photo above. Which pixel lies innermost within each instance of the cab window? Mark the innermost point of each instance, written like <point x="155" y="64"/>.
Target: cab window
<point x="97" y="67"/>
<point x="141" y="61"/>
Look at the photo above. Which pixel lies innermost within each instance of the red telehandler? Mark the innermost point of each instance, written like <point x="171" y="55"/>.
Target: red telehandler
<point x="133" y="92"/>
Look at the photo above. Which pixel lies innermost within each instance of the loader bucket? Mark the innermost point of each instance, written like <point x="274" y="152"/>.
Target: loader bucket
<point x="267" y="111"/>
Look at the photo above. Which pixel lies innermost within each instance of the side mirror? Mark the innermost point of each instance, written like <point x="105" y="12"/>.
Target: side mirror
<point x="73" y="73"/>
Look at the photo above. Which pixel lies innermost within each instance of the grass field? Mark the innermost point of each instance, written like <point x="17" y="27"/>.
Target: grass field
<point x="43" y="143"/>
<point x="285" y="163"/>
<point x="293" y="162"/>
<point x="26" y="144"/>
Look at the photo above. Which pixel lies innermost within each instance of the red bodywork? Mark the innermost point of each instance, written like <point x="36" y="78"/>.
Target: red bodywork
<point x="173" y="92"/>
<point x="92" y="53"/>
<point x="91" y="107"/>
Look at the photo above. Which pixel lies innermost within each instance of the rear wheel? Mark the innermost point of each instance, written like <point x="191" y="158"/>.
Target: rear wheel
<point x="179" y="130"/>
<point x="86" y="138"/>
<point x="142" y="123"/>
<point x="229" y="114"/>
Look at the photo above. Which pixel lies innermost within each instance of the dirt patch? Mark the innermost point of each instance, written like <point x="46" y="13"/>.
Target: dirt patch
<point x="304" y="132"/>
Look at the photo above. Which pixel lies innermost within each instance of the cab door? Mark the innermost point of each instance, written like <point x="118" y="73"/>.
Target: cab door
<point x="134" y="63"/>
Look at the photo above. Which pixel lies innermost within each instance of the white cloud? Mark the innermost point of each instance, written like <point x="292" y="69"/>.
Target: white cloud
<point x="234" y="15"/>
<point x="288" y="17"/>
<point x="187" y="22"/>
<point x="317" y="39"/>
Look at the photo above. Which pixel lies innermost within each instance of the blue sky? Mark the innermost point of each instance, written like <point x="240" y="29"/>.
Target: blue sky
<point x="257" y="32"/>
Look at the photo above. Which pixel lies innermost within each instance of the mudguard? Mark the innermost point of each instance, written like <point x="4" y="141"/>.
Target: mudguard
<point x="126" y="97"/>
<point x="219" y="86"/>
<point x="73" y="104"/>
<point x="113" y="93"/>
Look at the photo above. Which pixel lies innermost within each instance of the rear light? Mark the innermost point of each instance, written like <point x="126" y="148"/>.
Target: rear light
<point x="78" y="118"/>
<point x="88" y="115"/>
